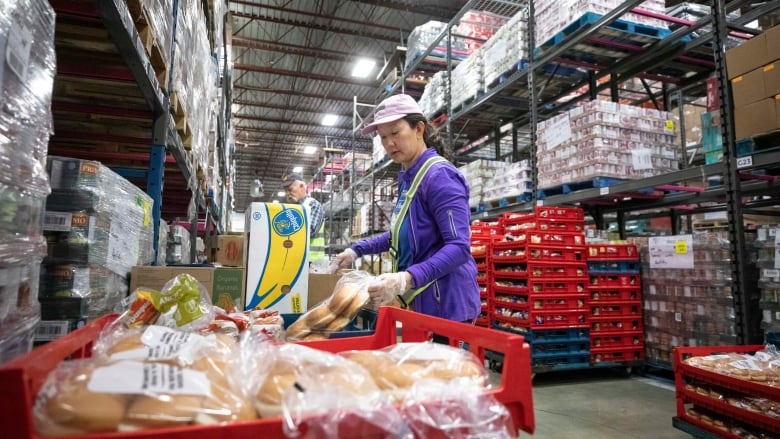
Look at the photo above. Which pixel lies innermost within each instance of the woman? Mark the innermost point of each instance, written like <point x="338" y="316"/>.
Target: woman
<point x="434" y="272"/>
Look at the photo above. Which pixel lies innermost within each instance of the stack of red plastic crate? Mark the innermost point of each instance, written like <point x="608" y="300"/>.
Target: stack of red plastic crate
<point x="540" y="285"/>
<point x="483" y="234"/>
<point x="615" y="304"/>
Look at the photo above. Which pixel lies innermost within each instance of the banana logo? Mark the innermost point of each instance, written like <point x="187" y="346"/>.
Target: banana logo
<point x="286" y="256"/>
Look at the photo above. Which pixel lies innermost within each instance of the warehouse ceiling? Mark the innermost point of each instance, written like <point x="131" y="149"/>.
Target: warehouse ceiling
<point x="292" y="64"/>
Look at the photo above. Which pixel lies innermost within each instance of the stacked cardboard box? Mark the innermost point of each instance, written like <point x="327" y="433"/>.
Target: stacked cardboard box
<point x="605" y="139"/>
<point x="754" y="72"/>
<point x="506" y="47"/>
<point x="435" y="94"/>
<point x="27" y="69"/>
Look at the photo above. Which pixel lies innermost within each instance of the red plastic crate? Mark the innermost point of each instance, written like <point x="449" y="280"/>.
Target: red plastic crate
<point x="571" y="301"/>
<point x="509" y="272"/>
<point x="557" y="286"/>
<point x="482" y="265"/>
<point x="615" y="294"/>
<point x="482" y="278"/>
<point x="22" y="377"/>
<point x="613" y="252"/>
<point x="724" y="384"/>
<point x="602" y="280"/>
<point x="555" y="253"/>
<point x="557" y="269"/>
<point x="508" y="252"/>
<point x="510" y="299"/>
<point x="555" y="238"/>
<point x="519" y="286"/>
<point x="559" y="225"/>
<point x="616" y="309"/>
<point x="559" y="212"/>
<point x="516" y="218"/>
<point x="609" y="324"/>
<point x="617" y="340"/>
<point x="559" y="318"/>
<point x="521" y="321"/>
<point x="619" y="355"/>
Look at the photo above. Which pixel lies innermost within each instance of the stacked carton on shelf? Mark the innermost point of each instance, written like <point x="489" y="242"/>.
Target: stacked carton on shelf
<point x="421" y="38"/>
<point x="768" y="277"/>
<point x="434" y="96"/>
<point x="27" y="69"/>
<point x="605" y="139"/>
<point x="688" y="306"/>
<point x="552" y="16"/>
<point x="98" y="226"/>
<point x="506" y="48"/>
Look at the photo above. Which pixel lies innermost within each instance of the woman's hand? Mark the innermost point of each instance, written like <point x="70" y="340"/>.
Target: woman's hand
<point x="386" y="286"/>
<point x="343" y="260"/>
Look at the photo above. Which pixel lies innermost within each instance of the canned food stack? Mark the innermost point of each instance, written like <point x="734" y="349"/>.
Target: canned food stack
<point x="540" y="285"/>
<point x="28" y="58"/>
<point x="616" y="304"/>
<point x="769" y="279"/>
<point x="483" y="235"/>
<point x="98" y="226"/>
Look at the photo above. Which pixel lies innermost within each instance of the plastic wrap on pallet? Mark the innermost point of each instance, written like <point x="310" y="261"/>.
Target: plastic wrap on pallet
<point x="158" y="14"/>
<point x="552" y="16"/>
<point x="478" y="27"/>
<point x="424" y="35"/>
<point x="434" y="96"/>
<point x="26" y="78"/>
<point x="94" y="216"/>
<point x="178" y="245"/>
<point x="689" y="307"/>
<point x="694" y="12"/>
<point x="608" y="140"/>
<point x="101" y="288"/>
<point x="507" y="47"/>
<point x="21" y="215"/>
<point x="19" y="307"/>
<point x="765" y="249"/>
<point x="468" y="79"/>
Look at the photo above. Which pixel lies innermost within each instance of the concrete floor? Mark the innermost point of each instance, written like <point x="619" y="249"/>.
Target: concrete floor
<point x="599" y="403"/>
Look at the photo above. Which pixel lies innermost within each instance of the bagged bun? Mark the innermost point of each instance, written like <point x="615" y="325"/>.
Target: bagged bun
<point x="343" y="297"/>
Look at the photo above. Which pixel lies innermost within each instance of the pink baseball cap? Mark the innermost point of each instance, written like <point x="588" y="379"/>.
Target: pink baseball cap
<point x="391" y="109"/>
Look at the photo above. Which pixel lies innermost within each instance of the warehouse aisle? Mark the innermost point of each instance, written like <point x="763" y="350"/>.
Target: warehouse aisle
<point x="601" y="404"/>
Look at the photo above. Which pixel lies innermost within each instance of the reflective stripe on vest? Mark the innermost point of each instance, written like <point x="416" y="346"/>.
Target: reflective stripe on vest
<point x="395" y="225"/>
<point x="317" y="242"/>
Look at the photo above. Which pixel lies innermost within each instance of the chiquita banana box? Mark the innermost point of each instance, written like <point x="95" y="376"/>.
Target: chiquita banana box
<point x="277" y="257"/>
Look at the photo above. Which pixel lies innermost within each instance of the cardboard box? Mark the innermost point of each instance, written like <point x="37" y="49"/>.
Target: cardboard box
<point x="230" y="250"/>
<point x="772" y="79"/>
<point x="756" y="118"/>
<point x="773" y="44"/>
<point x="321" y="287"/>
<point x="748" y="56"/>
<point x="748" y="88"/>
<point x="228" y="290"/>
<point x="156" y="277"/>
<point x="277" y="257"/>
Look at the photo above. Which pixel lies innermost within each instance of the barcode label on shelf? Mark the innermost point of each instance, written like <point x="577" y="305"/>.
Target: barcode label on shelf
<point x="17" y="53"/>
<point x="604" y="191"/>
<point x="49" y="330"/>
<point x="57" y="221"/>
<point x="540" y="202"/>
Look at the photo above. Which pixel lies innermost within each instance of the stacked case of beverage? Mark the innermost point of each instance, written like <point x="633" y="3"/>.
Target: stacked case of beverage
<point x="541" y="285"/>
<point x="98" y="226"/>
<point x="435" y="94"/>
<point x="480" y="175"/>
<point x="507" y="47"/>
<point x="605" y="139"/>
<point x="423" y="37"/>
<point x="768" y="277"/>
<point x="27" y="70"/>
<point x="688" y="307"/>
<point x="552" y="16"/>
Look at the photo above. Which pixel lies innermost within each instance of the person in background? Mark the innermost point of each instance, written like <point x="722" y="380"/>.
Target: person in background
<point x="433" y="270"/>
<point x="296" y="191"/>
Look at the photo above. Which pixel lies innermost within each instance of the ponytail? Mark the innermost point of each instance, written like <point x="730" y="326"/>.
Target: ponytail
<point x="431" y="135"/>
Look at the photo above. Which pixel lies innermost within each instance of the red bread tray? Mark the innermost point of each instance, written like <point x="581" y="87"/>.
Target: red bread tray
<point x="22" y="377"/>
<point x="684" y="371"/>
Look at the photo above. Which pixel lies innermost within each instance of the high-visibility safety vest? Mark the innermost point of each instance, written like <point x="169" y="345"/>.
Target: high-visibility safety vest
<point x="316" y="242"/>
<point x="395" y="226"/>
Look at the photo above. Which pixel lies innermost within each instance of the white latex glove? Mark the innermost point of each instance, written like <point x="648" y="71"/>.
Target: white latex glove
<point x="386" y="286"/>
<point x="343" y="260"/>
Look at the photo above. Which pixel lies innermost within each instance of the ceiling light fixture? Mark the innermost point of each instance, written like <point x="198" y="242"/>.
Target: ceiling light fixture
<point x="309" y="149"/>
<point x="298" y="169"/>
<point x="363" y="68"/>
<point x="329" y="120"/>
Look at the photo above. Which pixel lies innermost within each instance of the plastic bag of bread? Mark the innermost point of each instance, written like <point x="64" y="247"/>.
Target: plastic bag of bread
<point x="438" y="409"/>
<point x="102" y="395"/>
<point x="334" y="313"/>
<point x="397" y="368"/>
<point x="296" y="382"/>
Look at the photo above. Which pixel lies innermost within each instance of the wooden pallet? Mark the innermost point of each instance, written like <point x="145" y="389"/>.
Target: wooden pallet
<point x="158" y="58"/>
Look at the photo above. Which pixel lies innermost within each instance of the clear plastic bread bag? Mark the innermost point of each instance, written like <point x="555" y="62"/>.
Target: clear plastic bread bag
<point x="334" y="313"/>
<point x="103" y="394"/>
<point x="315" y="392"/>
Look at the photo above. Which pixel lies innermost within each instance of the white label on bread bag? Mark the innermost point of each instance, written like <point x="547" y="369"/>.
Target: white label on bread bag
<point x="134" y="377"/>
<point x="165" y="343"/>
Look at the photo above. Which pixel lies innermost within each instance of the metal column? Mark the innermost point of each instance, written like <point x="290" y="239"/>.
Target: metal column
<point x="156" y="174"/>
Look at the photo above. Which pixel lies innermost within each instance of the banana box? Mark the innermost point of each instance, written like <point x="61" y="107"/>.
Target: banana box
<point x="276" y="248"/>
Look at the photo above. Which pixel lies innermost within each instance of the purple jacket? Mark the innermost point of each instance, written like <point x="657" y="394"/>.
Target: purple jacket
<point x="441" y="249"/>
